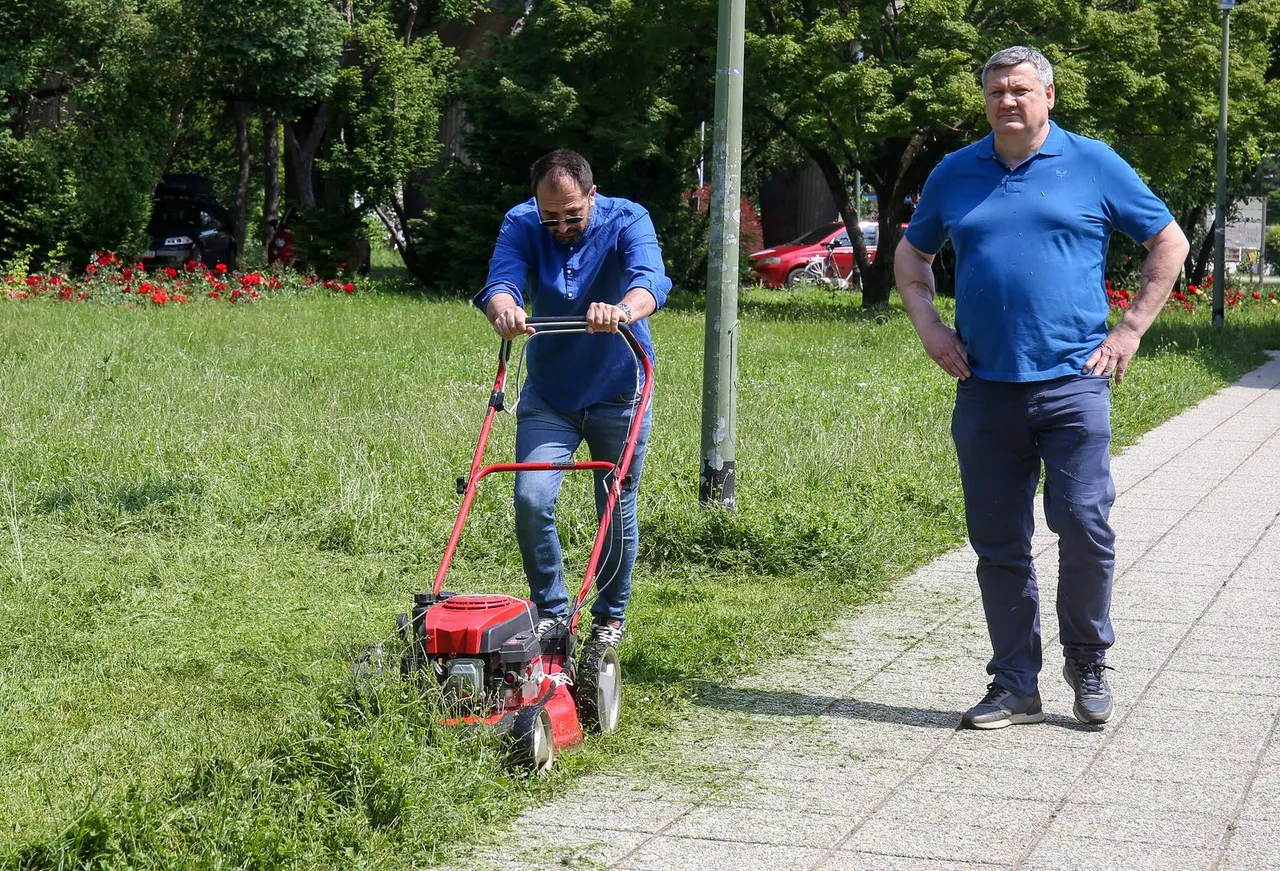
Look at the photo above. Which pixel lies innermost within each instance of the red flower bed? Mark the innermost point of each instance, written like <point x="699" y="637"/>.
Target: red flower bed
<point x="1195" y="296"/>
<point x="109" y="280"/>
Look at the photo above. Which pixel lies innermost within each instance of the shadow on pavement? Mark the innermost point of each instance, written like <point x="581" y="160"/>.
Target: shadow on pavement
<point x="784" y="703"/>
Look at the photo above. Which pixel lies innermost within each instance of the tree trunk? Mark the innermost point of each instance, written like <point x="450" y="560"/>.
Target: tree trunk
<point x="270" y="172"/>
<point x="879" y="281"/>
<point x="1190" y="220"/>
<point x="302" y="144"/>
<point x="848" y="209"/>
<point x="1206" y="248"/>
<point x="240" y="111"/>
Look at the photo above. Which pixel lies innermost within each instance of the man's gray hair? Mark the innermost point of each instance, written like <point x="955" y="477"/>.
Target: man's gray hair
<point x="1020" y="54"/>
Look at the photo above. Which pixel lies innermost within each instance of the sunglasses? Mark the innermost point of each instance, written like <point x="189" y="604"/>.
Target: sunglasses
<point x="568" y="222"/>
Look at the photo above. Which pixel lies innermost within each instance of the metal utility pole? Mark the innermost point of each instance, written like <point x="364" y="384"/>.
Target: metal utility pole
<point x="1220" y="206"/>
<point x="720" y="355"/>
<point x="1262" y="244"/>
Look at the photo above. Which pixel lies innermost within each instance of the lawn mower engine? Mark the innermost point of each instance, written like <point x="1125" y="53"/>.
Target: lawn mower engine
<point x="489" y="663"/>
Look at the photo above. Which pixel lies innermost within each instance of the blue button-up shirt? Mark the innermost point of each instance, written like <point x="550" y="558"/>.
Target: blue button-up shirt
<point x="617" y="252"/>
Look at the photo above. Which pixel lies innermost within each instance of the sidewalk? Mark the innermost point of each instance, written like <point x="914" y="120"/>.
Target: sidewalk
<point x="849" y="760"/>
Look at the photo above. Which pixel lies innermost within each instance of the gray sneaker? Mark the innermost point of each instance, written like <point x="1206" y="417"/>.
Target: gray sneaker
<point x="1001" y="707"/>
<point x="1093" y="692"/>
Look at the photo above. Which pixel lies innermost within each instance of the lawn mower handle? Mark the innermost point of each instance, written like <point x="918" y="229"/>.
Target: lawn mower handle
<point x="467" y="484"/>
<point x="555" y="324"/>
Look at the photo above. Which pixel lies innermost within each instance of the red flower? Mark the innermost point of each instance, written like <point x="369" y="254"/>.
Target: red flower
<point x="191" y="266"/>
<point x="213" y="294"/>
<point x="221" y="269"/>
<point x="159" y="297"/>
<point x="171" y="272"/>
<point x="349" y="288"/>
<point x="177" y="297"/>
<point x="1257" y="295"/>
<point x="33" y="280"/>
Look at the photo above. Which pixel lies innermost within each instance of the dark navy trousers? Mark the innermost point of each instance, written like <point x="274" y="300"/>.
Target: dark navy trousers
<point x="1004" y="432"/>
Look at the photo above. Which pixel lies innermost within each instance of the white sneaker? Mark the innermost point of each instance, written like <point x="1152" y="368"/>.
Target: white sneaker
<point x="607" y="636"/>
<point x="545" y="625"/>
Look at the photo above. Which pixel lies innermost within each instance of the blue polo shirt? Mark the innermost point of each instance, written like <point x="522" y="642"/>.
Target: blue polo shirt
<point x="619" y="251"/>
<point x="1031" y="248"/>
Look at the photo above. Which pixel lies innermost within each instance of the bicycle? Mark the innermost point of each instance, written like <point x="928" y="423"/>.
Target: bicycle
<point x="824" y="271"/>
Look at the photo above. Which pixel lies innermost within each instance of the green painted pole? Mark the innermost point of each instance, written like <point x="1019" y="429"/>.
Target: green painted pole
<point x="1220" y="206"/>
<point x="720" y="349"/>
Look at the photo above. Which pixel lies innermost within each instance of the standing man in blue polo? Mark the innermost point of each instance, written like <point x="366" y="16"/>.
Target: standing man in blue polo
<point x="1030" y="209"/>
<point x="570" y="251"/>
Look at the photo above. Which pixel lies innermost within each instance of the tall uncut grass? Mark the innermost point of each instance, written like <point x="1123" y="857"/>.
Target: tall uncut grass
<point x="209" y="511"/>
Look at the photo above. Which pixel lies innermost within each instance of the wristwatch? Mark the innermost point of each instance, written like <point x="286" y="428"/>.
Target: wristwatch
<point x="626" y="312"/>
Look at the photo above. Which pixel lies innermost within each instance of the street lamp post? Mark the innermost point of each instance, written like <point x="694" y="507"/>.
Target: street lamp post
<point x="1220" y="206"/>
<point x="719" y="362"/>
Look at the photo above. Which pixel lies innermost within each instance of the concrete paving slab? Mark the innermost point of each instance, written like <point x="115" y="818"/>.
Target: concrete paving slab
<point x="864" y="861"/>
<point x="1200" y="830"/>
<point x="1262" y="802"/>
<point x="688" y="854"/>
<point x="562" y="847"/>
<point x="1253" y="845"/>
<point x="621" y="813"/>
<point x="1142" y="796"/>
<point x="761" y="826"/>
<point x="1191" y="552"/>
<point x="1155" y="495"/>
<point x="1075" y="853"/>
<point x="1124" y="762"/>
<point x="1178" y="574"/>
<point x="1245" y="686"/>
<point x="951" y="827"/>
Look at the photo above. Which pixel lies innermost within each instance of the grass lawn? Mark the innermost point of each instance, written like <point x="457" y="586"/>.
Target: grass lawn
<point x="209" y="510"/>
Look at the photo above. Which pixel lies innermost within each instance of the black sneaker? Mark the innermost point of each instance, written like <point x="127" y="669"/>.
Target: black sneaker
<point x="1001" y="707"/>
<point x="1093" y="693"/>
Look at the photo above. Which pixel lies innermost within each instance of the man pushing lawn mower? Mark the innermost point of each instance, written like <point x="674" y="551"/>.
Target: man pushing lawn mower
<point x="585" y="264"/>
<point x="570" y="252"/>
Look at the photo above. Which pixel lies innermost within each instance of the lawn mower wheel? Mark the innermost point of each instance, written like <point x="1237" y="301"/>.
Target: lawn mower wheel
<point x="598" y="688"/>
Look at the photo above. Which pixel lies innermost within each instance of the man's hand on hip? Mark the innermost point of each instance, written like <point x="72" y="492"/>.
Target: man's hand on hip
<point x="1114" y="354"/>
<point x="943" y="345"/>
<point x="603" y="317"/>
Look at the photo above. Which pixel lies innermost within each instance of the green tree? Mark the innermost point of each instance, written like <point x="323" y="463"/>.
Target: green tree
<point x="88" y="89"/>
<point x="625" y="83"/>
<point x="888" y="89"/>
<point x="267" y="57"/>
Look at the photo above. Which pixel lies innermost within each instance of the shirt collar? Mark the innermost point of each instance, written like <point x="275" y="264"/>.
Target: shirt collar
<point x="1051" y="147"/>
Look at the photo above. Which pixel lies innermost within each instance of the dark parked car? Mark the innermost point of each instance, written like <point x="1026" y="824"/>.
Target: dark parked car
<point x="187" y="223"/>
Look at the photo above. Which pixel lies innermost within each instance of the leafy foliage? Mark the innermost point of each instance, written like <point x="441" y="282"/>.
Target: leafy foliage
<point x="88" y="93"/>
<point x="625" y="83"/>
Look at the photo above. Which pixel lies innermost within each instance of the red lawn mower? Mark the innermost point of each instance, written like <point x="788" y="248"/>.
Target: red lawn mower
<point x="482" y="650"/>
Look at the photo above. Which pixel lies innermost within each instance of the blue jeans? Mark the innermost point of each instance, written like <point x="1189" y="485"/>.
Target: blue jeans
<point x="1003" y="432"/>
<point x="545" y="435"/>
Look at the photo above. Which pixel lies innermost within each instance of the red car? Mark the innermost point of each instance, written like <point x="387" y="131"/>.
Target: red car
<point x="780" y="266"/>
